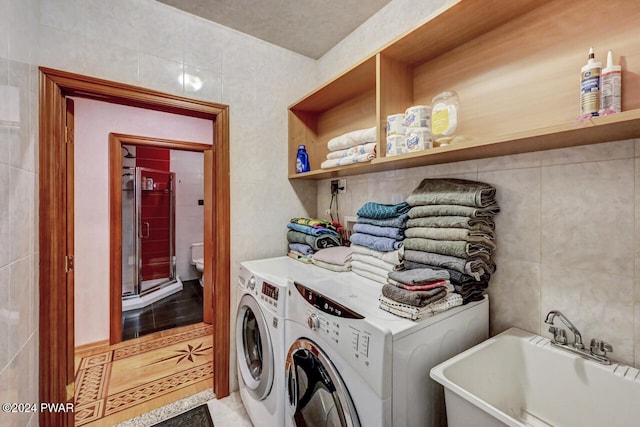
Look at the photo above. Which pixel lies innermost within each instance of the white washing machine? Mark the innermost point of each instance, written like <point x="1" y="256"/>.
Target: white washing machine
<point x="349" y="363"/>
<point x="260" y="342"/>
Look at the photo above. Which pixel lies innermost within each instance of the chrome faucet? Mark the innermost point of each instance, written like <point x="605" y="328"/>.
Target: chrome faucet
<point x="597" y="351"/>
<point x="577" y="341"/>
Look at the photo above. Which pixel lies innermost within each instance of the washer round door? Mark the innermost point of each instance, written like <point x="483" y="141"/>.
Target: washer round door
<point x="316" y="393"/>
<point x="254" y="348"/>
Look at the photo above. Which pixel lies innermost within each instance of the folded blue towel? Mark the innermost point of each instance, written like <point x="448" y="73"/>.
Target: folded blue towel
<point x="377" y="210"/>
<point x="311" y="230"/>
<point x="382" y="244"/>
<point x="374" y="230"/>
<point x="302" y="248"/>
<point x="397" y="222"/>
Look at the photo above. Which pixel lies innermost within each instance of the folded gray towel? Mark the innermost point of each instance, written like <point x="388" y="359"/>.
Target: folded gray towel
<point x="437" y="233"/>
<point x="452" y="191"/>
<point x="453" y="210"/>
<point x="456" y="248"/>
<point x="474" y="267"/>
<point x="419" y="276"/>
<point x="485" y="224"/>
<point x="414" y="298"/>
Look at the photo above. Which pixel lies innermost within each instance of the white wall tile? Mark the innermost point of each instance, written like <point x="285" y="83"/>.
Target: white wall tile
<point x="587" y="216"/>
<point x="67" y="15"/>
<point x="61" y="49"/>
<point x="160" y="73"/>
<point x="21" y="194"/>
<point x="161" y="31"/>
<point x="5" y="218"/>
<point x="7" y="316"/>
<point x="204" y="44"/>
<point x="111" y="61"/>
<point x="116" y="21"/>
<point x="20" y="304"/>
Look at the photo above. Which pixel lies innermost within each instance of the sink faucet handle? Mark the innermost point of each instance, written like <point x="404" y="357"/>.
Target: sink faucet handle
<point x="559" y="335"/>
<point x="600" y="347"/>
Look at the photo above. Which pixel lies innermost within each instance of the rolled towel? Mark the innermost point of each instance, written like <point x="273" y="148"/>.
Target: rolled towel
<point x="381" y="211"/>
<point x="316" y="242"/>
<point x="452" y="191"/>
<point x="414" y="298"/>
<point x="374" y="230"/>
<point x="419" y="276"/>
<point x="383" y="244"/>
<point x="454" y="210"/>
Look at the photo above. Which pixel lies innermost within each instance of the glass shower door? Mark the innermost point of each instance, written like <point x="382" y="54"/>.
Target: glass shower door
<point x="155" y="214"/>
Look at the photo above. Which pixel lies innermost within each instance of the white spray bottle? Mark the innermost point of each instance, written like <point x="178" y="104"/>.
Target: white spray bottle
<point x="611" y="86"/>
<point x="590" y="86"/>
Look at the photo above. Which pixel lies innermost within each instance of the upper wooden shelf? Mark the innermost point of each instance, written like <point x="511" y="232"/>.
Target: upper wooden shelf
<point x="515" y="65"/>
<point x="453" y="25"/>
<point x="625" y="125"/>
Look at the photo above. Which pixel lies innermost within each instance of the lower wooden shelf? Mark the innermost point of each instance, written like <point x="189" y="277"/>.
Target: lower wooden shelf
<point x="613" y="127"/>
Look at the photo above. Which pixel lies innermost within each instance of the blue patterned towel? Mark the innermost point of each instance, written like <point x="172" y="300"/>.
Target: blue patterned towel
<point x="311" y="230"/>
<point x="380" y="211"/>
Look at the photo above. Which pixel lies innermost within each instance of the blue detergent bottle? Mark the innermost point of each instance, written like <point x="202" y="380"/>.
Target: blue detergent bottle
<point x="302" y="160"/>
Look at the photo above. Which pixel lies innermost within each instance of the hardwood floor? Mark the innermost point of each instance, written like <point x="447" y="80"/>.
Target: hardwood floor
<point x="115" y="383"/>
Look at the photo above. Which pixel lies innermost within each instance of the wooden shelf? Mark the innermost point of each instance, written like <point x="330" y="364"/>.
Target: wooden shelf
<point x="614" y="127"/>
<point x="515" y="66"/>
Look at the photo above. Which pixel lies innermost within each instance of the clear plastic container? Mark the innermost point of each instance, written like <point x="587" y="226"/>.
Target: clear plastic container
<point x="444" y="117"/>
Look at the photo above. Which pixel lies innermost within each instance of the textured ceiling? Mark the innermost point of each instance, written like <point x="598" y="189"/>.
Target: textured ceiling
<point x="309" y="27"/>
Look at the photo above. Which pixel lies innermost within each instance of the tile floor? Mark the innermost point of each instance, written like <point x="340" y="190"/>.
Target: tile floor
<point x="180" y="309"/>
<point x="227" y="412"/>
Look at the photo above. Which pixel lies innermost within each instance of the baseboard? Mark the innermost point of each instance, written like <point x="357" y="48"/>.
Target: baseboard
<point x="98" y="345"/>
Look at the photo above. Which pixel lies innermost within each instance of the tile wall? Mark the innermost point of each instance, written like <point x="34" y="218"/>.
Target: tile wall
<point x="566" y="235"/>
<point x="145" y="43"/>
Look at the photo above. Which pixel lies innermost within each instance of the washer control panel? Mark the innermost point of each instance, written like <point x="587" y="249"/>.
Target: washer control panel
<point x="364" y="346"/>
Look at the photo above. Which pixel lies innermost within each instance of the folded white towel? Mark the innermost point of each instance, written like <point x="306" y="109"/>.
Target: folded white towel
<point x="369" y="147"/>
<point x="352" y="138"/>
<point x="349" y="160"/>
<point x="392" y="257"/>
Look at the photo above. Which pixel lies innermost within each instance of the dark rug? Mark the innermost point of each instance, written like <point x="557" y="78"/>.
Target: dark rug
<point x="196" y="417"/>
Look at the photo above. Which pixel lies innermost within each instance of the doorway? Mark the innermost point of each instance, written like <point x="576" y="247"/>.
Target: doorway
<point x="56" y="278"/>
<point x="155" y="189"/>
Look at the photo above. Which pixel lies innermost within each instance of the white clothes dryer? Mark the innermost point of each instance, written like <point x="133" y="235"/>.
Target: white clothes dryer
<point x="260" y="342"/>
<point x="348" y="363"/>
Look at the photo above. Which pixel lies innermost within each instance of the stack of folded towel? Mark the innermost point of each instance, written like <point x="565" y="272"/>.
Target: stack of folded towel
<point x="418" y="293"/>
<point x="336" y="258"/>
<point x="377" y="239"/>
<point x="308" y="235"/>
<point x="451" y="227"/>
<point x="357" y="146"/>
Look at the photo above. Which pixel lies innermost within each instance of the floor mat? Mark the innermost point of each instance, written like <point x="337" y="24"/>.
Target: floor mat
<point x="196" y="417"/>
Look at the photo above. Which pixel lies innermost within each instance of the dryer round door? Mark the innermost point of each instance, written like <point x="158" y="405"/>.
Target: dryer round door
<point x="254" y="348"/>
<point x="316" y="393"/>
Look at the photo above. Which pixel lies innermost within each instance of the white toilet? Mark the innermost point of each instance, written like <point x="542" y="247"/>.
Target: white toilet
<point x="197" y="259"/>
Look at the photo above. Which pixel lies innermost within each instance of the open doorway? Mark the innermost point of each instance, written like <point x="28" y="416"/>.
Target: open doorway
<point x="56" y="183"/>
<point x="158" y="237"/>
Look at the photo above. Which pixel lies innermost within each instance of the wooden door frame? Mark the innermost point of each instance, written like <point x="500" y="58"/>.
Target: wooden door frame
<point x="56" y="279"/>
<point x="116" y="141"/>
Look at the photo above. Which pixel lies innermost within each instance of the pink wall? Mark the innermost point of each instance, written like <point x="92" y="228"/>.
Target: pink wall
<point x="94" y="120"/>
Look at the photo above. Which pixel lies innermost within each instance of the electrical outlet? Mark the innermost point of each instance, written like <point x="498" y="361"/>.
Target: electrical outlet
<point x="338" y="186"/>
<point x="342" y="186"/>
<point x="334" y="187"/>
